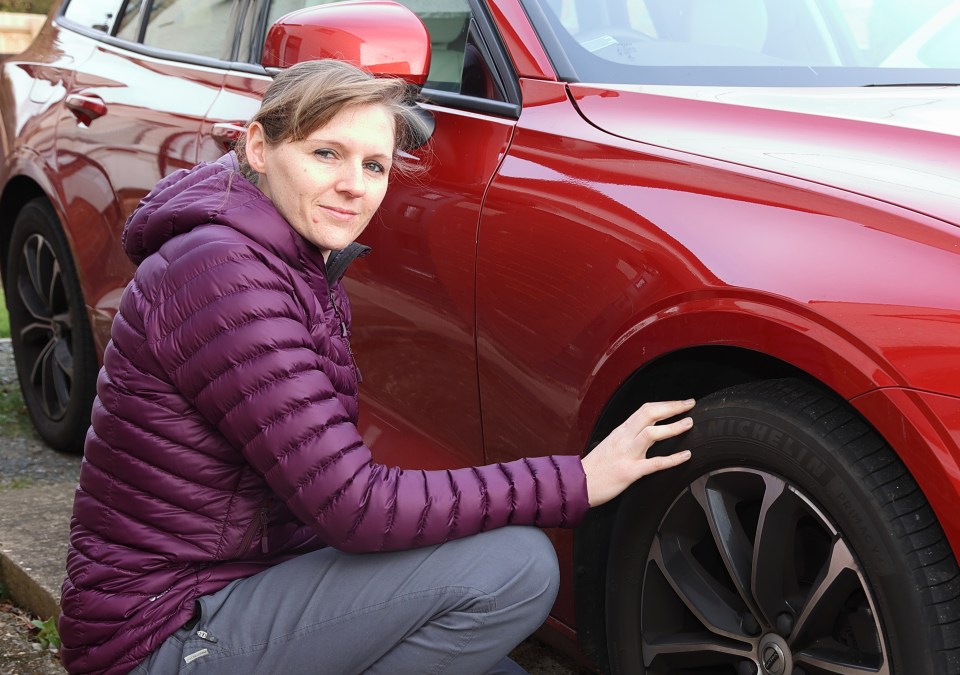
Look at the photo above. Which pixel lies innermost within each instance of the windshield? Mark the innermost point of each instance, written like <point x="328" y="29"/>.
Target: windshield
<point x="752" y="42"/>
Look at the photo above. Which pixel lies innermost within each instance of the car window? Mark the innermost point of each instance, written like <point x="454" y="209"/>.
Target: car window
<point x="191" y="26"/>
<point x="749" y="42"/>
<point x="96" y="14"/>
<point x="456" y="64"/>
<point x="128" y="27"/>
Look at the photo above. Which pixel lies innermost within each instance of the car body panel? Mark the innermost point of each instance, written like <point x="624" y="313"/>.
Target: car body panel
<point x="896" y="142"/>
<point x="125" y="153"/>
<point x="520" y="40"/>
<point x="575" y="293"/>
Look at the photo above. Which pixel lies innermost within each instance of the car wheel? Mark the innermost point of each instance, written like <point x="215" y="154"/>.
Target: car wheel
<point x="53" y="347"/>
<point x="794" y="542"/>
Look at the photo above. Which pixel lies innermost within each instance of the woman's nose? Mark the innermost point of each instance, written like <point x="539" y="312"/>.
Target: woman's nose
<point x="351" y="179"/>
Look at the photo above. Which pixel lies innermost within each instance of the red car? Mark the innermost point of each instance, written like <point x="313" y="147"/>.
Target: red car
<point x="744" y="201"/>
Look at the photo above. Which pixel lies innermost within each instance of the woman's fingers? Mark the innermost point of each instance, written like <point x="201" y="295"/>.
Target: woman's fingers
<point x="658" y="432"/>
<point x="654" y="464"/>
<point x="651" y="413"/>
<point x="621" y="458"/>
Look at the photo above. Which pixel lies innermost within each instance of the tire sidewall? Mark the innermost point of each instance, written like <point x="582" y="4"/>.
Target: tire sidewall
<point x="38" y="217"/>
<point x="735" y="434"/>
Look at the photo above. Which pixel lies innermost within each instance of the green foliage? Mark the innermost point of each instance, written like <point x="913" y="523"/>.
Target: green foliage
<point x="27" y="6"/>
<point x="4" y="317"/>
<point x="47" y="634"/>
<point x="14" y="418"/>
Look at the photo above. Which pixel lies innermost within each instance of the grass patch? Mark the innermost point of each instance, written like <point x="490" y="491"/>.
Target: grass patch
<point x="14" y="419"/>
<point x="4" y="317"/>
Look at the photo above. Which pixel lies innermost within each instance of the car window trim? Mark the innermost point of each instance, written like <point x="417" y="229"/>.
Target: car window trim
<point x="491" y="47"/>
<point x="429" y="96"/>
<point x="147" y="50"/>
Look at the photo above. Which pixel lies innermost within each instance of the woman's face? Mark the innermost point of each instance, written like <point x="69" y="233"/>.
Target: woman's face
<point x="328" y="185"/>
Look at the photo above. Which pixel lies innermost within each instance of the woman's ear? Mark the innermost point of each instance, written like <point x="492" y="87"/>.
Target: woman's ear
<point x="255" y="146"/>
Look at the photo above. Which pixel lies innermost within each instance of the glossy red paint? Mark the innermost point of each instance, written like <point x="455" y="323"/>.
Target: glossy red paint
<point x="927" y="426"/>
<point x="521" y="41"/>
<point x="382" y="37"/>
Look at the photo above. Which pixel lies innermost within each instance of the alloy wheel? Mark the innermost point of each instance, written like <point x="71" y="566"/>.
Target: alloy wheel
<point x="45" y="331"/>
<point x="746" y="575"/>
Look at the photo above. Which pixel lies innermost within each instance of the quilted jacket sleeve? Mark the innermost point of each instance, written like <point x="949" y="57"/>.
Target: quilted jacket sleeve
<point x="238" y="350"/>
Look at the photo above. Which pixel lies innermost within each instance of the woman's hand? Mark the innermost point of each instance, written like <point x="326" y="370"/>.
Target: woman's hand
<point x="621" y="458"/>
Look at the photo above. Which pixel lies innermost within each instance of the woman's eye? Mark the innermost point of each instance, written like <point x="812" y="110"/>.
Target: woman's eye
<point x="375" y="167"/>
<point x="324" y="153"/>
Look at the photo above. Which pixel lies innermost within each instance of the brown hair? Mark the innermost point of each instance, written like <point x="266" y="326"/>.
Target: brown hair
<point x="307" y="95"/>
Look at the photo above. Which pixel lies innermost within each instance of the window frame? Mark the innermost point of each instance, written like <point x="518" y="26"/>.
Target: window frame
<point x="487" y="42"/>
<point x="138" y="47"/>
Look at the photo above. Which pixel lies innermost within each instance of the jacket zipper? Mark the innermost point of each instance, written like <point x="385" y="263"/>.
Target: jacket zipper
<point x="346" y="338"/>
<point x="257" y="525"/>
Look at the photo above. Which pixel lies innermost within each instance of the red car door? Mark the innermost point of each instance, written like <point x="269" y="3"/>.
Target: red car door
<point x="132" y="115"/>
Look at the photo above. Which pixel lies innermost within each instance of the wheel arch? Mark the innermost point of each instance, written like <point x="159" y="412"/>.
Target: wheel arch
<point x="745" y="345"/>
<point x="18" y="191"/>
<point x="710" y="367"/>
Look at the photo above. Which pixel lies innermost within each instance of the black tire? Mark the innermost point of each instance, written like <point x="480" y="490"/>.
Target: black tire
<point x="53" y="347"/>
<point x="852" y="568"/>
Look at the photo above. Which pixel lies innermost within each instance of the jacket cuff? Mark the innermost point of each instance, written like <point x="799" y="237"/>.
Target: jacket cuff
<point x="574" y="484"/>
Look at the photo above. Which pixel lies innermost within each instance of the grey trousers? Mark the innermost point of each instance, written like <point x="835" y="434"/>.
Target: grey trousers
<point x="459" y="607"/>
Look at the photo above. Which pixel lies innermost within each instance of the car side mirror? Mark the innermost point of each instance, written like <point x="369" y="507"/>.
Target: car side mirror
<point x="380" y="36"/>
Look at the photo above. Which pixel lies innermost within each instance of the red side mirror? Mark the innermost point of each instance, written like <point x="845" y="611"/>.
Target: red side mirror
<point x="381" y="36"/>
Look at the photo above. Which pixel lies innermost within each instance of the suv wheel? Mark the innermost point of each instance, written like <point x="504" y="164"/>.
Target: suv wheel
<point x="53" y="347"/>
<point x="794" y="542"/>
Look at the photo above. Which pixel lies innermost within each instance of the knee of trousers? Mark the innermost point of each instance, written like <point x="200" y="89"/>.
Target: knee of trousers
<point x="527" y="564"/>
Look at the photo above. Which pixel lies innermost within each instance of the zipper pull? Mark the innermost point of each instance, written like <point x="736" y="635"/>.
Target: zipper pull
<point x="263" y="528"/>
<point x="204" y="635"/>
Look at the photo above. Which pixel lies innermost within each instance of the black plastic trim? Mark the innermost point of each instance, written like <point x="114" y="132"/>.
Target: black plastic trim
<point x="484" y="105"/>
<point x="493" y="48"/>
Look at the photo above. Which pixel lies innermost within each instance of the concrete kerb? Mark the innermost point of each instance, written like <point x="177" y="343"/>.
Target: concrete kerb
<point x="34" y="526"/>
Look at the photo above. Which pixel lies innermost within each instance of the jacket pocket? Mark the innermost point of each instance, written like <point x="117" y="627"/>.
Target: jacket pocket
<point x="257" y="526"/>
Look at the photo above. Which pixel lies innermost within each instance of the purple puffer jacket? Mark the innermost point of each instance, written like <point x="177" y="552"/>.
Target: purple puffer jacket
<point x="224" y="439"/>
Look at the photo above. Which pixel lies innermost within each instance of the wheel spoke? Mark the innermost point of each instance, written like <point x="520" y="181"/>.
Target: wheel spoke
<point x="695" y="587"/>
<point x="37" y="370"/>
<point x="688" y="650"/>
<point x="54" y="285"/>
<point x="54" y="382"/>
<point x="736" y="551"/>
<point x="826" y="599"/>
<point x="839" y="662"/>
<point x="773" y="549"/>
<point x="32" y="301"/>
<point x="64" y="319"/>
<point x="64" y="359"/>
<point x="35" y="333"/>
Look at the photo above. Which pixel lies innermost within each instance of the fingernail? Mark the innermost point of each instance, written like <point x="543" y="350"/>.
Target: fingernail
<point x="689" y="401"/>
<point x="687" y="421"/>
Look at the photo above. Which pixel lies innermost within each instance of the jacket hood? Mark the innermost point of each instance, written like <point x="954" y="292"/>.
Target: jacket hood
<point x="895" y="144"/>
<point x="204" y="195"/>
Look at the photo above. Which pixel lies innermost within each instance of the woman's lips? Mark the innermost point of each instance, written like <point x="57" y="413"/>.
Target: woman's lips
<point x="339" y="214"/>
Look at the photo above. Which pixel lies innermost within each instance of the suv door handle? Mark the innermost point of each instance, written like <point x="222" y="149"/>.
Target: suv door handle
<point x="225" y="134"/>
<point x="86" y="107"/>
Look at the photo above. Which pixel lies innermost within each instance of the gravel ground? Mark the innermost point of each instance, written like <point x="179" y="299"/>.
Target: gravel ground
<point x="20" y="653"/>
<point x="25" y="461"/>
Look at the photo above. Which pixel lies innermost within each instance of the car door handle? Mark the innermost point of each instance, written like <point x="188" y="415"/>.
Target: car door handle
<point x="225" y="134"/>
<point x="86" y="107"/>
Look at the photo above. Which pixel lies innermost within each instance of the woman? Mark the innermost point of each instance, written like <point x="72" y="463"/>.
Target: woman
<point x="229" y="517"/>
